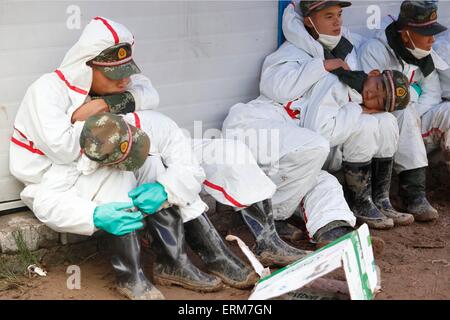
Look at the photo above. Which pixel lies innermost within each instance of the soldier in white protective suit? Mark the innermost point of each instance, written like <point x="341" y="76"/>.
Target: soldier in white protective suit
<point x="309" y="56"/>
<point x="406" y="45"/>
<point x="292" y="156"/>
<point x="233" y="178"/>
<point x="65" y="192"/>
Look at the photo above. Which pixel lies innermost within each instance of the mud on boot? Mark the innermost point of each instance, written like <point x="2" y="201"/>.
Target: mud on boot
<point x="270" y="249"/>
<point x="126" y="262"/>
<point x="287" y="231"/>
<point x="381" y="184"/>
<point x="330" y="232"/>
<point x="358" y="192"/>
<point x="204" y="240"/>
<point x="412" y="193"/>
<point x="172" y="266"/>
<point x="336" y="229"/>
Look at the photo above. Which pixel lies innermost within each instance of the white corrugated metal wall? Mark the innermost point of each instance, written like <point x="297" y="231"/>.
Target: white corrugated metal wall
<point x="202" y="56"/>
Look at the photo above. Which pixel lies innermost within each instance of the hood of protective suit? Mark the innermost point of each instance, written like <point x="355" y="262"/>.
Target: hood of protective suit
<point x="98" y="35"/>
<point x="295" y="32"/>
<point x="439" y="63"/>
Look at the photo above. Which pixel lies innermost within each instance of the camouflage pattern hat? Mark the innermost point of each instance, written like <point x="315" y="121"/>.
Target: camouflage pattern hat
<point x="109" y="140"/>
<point x="421" y="17"/>
<point x="307" y="7"/>
<point x="397" y="88"/>
<point x="116" y="62"/>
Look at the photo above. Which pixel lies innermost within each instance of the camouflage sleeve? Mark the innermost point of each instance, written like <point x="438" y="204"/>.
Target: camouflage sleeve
<point x="120" y="103"/>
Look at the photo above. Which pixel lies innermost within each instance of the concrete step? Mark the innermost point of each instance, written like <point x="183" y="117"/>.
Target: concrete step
<point x="35" y="234"/>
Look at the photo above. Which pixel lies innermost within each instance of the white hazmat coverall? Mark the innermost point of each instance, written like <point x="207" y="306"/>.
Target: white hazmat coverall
<point x="295" y="76"/>
<point x="45" y="144"/>
<point x="292" y="157"/>
<point x="426" y="119"/>
<point x="172" y="162"/>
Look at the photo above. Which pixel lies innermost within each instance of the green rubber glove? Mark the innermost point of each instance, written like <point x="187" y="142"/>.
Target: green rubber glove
<point x="114" y="218"/>
<point x="417" y="87"/>
<point x="148" y="197"/>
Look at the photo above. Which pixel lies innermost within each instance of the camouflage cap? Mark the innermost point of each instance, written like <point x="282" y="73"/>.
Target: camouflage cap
<point x="116" y="62"/>
<point x="109" y="140"/>
<point x="307" y="7"/>
<point x="397" y="88"/>
<point x="421" y="17"/>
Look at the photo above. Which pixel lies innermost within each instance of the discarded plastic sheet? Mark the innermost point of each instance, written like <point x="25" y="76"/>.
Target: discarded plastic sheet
<point x="352" y="251"/>
<point x="257" y="266"/>
<point x="34" y="269"/>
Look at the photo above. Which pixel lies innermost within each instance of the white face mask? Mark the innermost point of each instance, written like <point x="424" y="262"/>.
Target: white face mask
<point x="329" y="42"/>
<point x="417" y="52"/>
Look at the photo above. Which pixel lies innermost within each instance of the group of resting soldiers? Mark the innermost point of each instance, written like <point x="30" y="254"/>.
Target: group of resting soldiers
<point x="93" y="155"/>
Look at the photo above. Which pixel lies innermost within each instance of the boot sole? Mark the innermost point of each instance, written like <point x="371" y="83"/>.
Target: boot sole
<point x="404" y="222"/>
<point x="249" y="282"/>
<point x="429" y="218"/>
<point x="405" y="219"/>
<point x="169" y="281"/>
<point x="377" y="224"/>
<point x="152" y="295"/>
<point x="420" y="217"/>
<point x="268" y="260"/>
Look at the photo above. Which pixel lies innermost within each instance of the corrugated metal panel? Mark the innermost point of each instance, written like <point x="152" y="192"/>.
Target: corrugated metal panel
<point x="202" y="56"/>
<point x="356" y="16"/>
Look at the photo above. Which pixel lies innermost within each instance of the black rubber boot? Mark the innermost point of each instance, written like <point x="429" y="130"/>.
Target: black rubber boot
<point x="126" y="262"/>
<point x="270" y="249"/>
<point x="204" y="239"/>
<point x="358" y="191"/>
<point x="172" y="265"/>
<point x="381" y="184"/>
<point x="412" y="193"/>
<point x="336" y="229"/>
<point x="287" y="231"/>
<point x="332" y="231"/>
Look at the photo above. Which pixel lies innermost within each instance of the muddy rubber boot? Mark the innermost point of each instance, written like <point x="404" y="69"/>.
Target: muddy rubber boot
<point x="412" y="193"/>
<point x="172" y="266"/>
<point x="330" y="232"/>
<point x="287" y="231"/>
<point x="126" y="262"/>
<point x="204" y="239"/>
<point x="381" y="184"/>
<point x="358" y="191"/>
<point x="336" y="229"/>
<point x="270" y="249"/>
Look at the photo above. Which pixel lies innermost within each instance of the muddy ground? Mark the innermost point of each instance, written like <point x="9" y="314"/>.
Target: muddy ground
<point x="415" y="263"/>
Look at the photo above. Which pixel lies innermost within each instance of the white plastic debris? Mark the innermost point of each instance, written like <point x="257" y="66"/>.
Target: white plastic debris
<point x="34" y="269"/>
<point x="257" y="266"/>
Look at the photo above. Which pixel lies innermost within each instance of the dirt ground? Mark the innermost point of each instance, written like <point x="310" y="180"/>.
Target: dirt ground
<point x="415" y="263"/>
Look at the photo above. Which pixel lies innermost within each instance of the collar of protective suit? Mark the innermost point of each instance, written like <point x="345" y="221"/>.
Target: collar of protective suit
<point x="295" y="32"/>
<point x="99" y="34"/>
<point x="394" y="40"/>
<point x="438" y="62"/>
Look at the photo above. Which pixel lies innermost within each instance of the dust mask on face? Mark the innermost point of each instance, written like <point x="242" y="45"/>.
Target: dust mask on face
<point x="329" y="42"/>
<point x="417" y="52"/>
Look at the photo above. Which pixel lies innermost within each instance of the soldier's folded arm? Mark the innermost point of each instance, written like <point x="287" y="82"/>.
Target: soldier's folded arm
<point x="53" y="132"/>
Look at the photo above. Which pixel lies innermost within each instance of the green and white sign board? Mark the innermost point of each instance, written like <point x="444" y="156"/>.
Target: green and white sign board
<point x="352" y="251"/>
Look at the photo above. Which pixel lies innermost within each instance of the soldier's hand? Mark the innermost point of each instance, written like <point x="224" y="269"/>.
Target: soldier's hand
<point x="333" y="64"/>
<point x="89" y="109"/>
